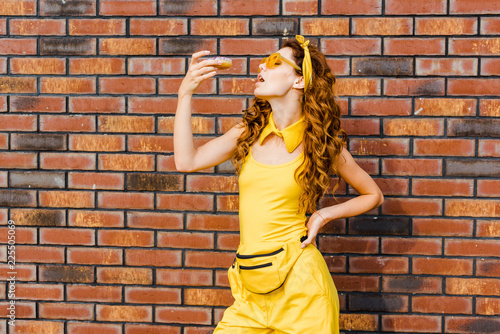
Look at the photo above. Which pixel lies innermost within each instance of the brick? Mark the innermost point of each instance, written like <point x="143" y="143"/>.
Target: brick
<point x="488" y="188"/>
<point x="490" y="25"/>
<point x="37" y="66"/>
<point x="474" y="46"/>
<point x="472" y="286"/>
<point x="188" y="7"/>
<point x="490" y="67"/>
<point x="472" y="7"/>
<point x="155" y="258"/>
<point x="152" y="295"/>
<point x="183" y="315"/>
<point x="339" y="67"/>
<point x="406" y="167"/>
<point x="356" y="7"/>
<point x="351" y="46"/>
<point x="154" y="182"/>
<point x="361" y="127"/>
<point x="412" y="206"/>
<point x="431" y="7"/>
<point x="159" y="27"/>
<point x="37" y="103"/>
<point x="127" y="46"/>
<point x="85" y="218"/>
<point x="184" y="202"/>
<point x="162" y="144"/>
<point x="185" y="240"/>
<point x="110" y="275"/>
<point x="382" y="26"/>
<point x="97" y="143"/>
<point x="154" y="220"/>
<point x="489" y="108"/>
<point x="39" y="327"/>
<point x="67" y="274"/>
<point x="275" y="26"/>
<point x="379" y="226"/>
<point x="23" y="310"/>
<point x="258" y="46"/>
<point x="67" y="161"/>
<point x="413" y="127"/>
<point x="442" y="227"/>
<point x="68" y="46"/>
<point x="68" y="85"/>
<point x="444" y="147"/>
<point x="382" y="66"/>
<point x="124" y="124"/>
<point x="488" y="228"/>
<point x="162" y="66"/>
<point x="389" y="303"/>
<point x="357" y="87"/>
<point x="96" y="104"/>
<point x="126" y="162"/>
<point x="38" y="142"/>
<point x="127" y="85"/>
<point x="414" y="87"/>
<point x="201" y="183"/>
<point x="431" y="187"/>
<point x="374" y="146"/>
<point x="471" y="168"/>
<point x="34" y="27"/>
<point x="96" y="27"/>
<point x="420" y="246"/>
<point x="459" y="247"/>
<point x="412" y="284"/>
<point x="86" y="293"/>
<point x="446" y="26"/>
<point x="205" y="259"/>
<point x="124" y="313"/>
<point x="17" y="198"/>
<point x="487" y="306"/>
<point x="23" y="235"/>
<point x="446" y="67"/>
<point x="97" y="66"/>
<point x="378" y="265"/>
<point x="237" y="86"/>
<point x="18" y="46"/>
<point x="228" y="241"/>
<point x="18" y="160"/>
<point x="43" y="292"/>
<point x="200" y="125"/>
<point x="414" y="46"/>
<point x="487" y="268"/>
<point x="209" y="86"/>
<point x="66" y="236"/>
<point x="361" y="245"/>
<point x="380" y="107"/>
<point x="440" y="266"/>
<point x="87" y="328"/>
<point x="14" y="7"/>
<point x="186" y="46"/>
<point x="66" y="311"/>
<point x="151" y="329"/>
<point x="23" y="272"/>
<point x="190" y="277"/>
<point x="67" y="123"/>
<point x="66" y="199"/>
<point x="125" y="238"/>
<point x="27" y="179"/>
<point x="216" y="297"/>
<point x="127" y="7"/>
<point x="38" y="217"/>
<point x="17" y="85"/>
<point x="411" y="323"/>
<point x="228" y="203"/>
<point x="17" y="122"/>
<point x="471" y="325"/>
<point x="225" y="27"/>
<point x="473" y="86"/>
<point x="85" y="255"/>
<point x="241" y="7"/>
<point x="357" y="283"/>
<point x="69" y="8"/>
<point x="362" y="322"/>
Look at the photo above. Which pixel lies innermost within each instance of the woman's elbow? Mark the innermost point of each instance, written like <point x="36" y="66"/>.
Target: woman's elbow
<point x="182" y="167"/>
<point x="380" y="198"/>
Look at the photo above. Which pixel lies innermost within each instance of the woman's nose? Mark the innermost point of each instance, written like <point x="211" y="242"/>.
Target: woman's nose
<point x="262" y="66"/>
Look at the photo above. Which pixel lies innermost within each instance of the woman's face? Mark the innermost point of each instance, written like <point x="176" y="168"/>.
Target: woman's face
<point x="277" y="81"/>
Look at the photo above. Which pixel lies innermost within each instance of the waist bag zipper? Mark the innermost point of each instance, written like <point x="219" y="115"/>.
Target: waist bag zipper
<point x="240" y="256"/>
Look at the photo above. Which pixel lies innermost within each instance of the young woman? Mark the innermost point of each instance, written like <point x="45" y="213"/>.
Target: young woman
<point x="285" y="149"/>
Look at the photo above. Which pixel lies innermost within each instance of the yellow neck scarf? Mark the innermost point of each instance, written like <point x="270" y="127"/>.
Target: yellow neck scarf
<point x="306" y="63"/>
<point x="292" y="135"/>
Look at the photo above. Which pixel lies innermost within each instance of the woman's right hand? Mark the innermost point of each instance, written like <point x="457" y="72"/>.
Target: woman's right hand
<point x="197" y="72"/>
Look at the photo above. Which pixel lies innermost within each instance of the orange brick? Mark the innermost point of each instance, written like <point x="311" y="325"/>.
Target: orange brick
<point x="472" y="286"/>
<point x="357" y="283"/>
<point x="490" y="25"/>
<point x="127" y="200"/>
<point x="398" y="7"/>
<point x="473" y="7"/>
<point x="68" y="85"/>
<point x="379" y="264"/>
<point x="96" y="104"/>
<point x="152" y="295"/>
<point x="419" y="246"/>
<point x="23" y="235"/>
<point x="95" y="256"/>
<point x="355" y="7"/>
<point x="325" y="26"/>
<point x="183" y="315"/>
<point x="411" y="323"/>
<point x="124" y="313"/>
<point x="257" y="7"/>
<point x="374" y="146"/>
<point x="431" y="187"/>
<point x="97" y="66"/>
<point x="126" y="162"/>
<point x="442" y="227"/>
<point x="85" y="218"/>
<point x="16" y="46"/>
<point x="358" y="322"/>
<point x="95" y="180"/>
<point x="459" y="247"/>
<point x="205" y="259"/>
<point x="165" y="66"/>
<point x="138" y="124"/>
<point x="472" y="208"/>
<point x="361" y="245"/>
<point x="66" y="311"/>
<point x="38" y="27"/>
<point x="84" y="328"/>
<point x="127" y="85"/>
<point x="444" y="147"/>
<point x="97" y="143"/>
<point x="382" y="26"/>
<point x="156" y="258"/>
<point x="245" y="46"/>
<point x="487" y="268"/>
<point x="191" y="277"/>
<point x="160" y="144"/>
<point x="18" y="160"/>
<point x="489" y="108"/>
<point x="197" y="183"/>
<point x="237" y="86"/>
<point x="154" y="220"/>
<point x="412" y="207"/>
<point x="85" y="293"/>
<point x="439" y="266"/>
<point x="159" y="27"/>
<point x="200" y="125"/>
<point x="351" y="46"/>
<point x="67" y="236"/>
<point x="14" y="7"/>
<point x="171" y="85"/>
<point x="488" y="306"/>
<point x="228" y="241"/>
<point x="446" y="67"/>
<point x="67" y="123"/>
<point x="414" y="87"/>
<point x="445" y="107"/>
<point x="129" y="46"/>
<point x="39" y="327"/>
<point x="37" y="103"/>
<point x="152" y="329"/>
<point x="380" y="107"/>
<point x="413" y="127"/>
<point x="228" y="203"/>
<point x="186" y="240"/>
<point x="94" y="27"/>
<point x="122" y="275"/>
<point x="199" y="7"/>
<point x="414" y="46"/>
<point x="23" y="310"/>
<point x="488" y="228"/>
<point x="300" y="7"/>
<point x="24" y="272"/>
<point x="127" y="7"/>
<point x="44" y="292"/>
<point x="490" y="67"/>
<point x="37" y="66"/>
<point x="474" y="46"/>
<point x="446" y="26"/>
<point x="17" y="84"/>
<point x="67" y="161"/>
<point x="225" y="27"/>
<point x="216" y="297"/>
<point x="185" y="202"/>
<point x="125" y="238"/>
<point x="67" y="199"/>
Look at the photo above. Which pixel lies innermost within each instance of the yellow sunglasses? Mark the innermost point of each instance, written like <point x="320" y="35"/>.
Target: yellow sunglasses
<point x="275" y="60"/>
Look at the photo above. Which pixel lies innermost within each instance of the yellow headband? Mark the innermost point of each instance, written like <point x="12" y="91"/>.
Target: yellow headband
<point x="306" y="63"/>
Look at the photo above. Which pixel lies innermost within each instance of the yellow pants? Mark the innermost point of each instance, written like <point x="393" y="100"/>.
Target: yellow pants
<point x="307" y="303"/>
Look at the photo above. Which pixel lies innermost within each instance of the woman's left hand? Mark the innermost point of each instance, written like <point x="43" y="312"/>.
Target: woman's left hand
<point x="314" y="224"/>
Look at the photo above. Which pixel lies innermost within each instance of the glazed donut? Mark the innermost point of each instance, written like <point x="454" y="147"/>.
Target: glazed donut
<point x="226" y="62"/>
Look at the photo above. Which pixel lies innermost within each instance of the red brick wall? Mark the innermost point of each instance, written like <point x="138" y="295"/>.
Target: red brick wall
<point x="111" y="239"/>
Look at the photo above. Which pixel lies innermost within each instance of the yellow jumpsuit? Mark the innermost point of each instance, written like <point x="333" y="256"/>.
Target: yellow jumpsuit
<point x="307" y="303"/>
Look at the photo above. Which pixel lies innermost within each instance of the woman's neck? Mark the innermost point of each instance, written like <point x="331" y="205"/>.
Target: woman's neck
<point x="285" y="112"/>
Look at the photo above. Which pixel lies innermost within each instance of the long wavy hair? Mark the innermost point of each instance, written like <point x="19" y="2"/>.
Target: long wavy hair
<point x="323" y="136"/>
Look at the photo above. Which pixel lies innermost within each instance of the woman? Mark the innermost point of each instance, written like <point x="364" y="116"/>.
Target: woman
<point x="286" y="147"/>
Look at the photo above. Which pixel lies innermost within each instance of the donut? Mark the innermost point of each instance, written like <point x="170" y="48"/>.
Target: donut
<point x="226" y="62"/>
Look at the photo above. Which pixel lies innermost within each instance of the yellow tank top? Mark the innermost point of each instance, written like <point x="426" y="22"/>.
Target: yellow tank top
<point x="269" y="202"/>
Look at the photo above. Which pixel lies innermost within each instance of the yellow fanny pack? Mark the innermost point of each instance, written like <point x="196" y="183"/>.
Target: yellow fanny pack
<point x="264" y="267"/>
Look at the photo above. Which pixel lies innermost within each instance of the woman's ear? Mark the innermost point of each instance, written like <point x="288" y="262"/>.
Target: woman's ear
<point x="298" y="83"/>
